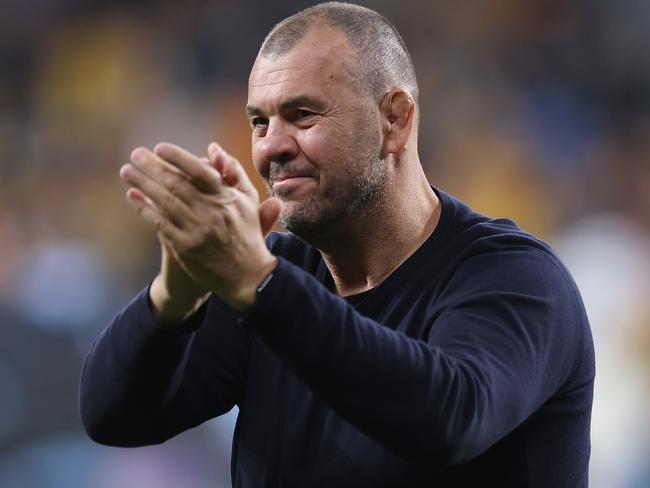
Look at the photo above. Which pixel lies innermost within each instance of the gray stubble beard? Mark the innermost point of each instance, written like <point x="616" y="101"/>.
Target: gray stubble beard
<point x="320" y="215"/>
<point x="327" y="214"/>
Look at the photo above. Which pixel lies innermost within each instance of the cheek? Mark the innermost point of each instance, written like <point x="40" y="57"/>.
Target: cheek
<point x="260" y="163"/>
<point x="321" y="145"/>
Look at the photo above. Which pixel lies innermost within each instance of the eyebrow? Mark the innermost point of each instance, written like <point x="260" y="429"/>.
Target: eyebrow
<point x="293" y="102"/>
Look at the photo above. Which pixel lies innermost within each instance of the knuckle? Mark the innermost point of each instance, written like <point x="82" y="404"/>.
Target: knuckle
<point x="166" y="204"/>
<point x="175" y="185"/>
<point x="193" y="243"/>
<point x="160" y="224"/>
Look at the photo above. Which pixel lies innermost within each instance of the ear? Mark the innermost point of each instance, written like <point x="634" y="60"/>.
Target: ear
<point x="397" y="114"/>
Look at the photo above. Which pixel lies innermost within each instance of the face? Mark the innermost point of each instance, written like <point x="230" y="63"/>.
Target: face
<point x="316" y="137"/>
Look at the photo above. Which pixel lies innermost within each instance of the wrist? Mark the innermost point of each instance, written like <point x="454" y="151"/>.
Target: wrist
<point x="170" y="309"/>
<point x="243" y="296"/>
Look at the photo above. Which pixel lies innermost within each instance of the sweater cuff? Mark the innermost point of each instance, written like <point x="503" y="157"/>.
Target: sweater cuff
<point x="276" y="298"/>
<point x="147" y="324"/>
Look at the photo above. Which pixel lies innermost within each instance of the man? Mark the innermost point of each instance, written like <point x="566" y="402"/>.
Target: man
<point x="401" y="340"/>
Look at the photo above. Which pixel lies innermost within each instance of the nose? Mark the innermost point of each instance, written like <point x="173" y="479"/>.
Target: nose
<point x="278" y="144"/>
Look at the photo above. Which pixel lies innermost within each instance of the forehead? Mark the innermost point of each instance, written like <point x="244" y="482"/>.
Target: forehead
<point x="320" y="62"/>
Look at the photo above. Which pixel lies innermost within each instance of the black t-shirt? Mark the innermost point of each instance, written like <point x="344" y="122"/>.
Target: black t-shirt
<point x="471" y="365"/>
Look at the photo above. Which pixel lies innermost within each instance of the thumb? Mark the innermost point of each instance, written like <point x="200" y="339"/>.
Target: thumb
<point x="269" y="212"/>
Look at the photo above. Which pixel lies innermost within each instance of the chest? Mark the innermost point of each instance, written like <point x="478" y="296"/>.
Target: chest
<point x="286" y="436"/>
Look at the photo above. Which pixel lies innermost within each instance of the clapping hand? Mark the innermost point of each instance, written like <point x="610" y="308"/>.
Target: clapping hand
<point x="210" y="223"/>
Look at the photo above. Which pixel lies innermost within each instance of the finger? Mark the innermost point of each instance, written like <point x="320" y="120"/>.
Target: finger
<point x="215" y="159"/>
<point x="232" y="172"/>
<point x="159" y="197"/>
<point x="203" y="176"/>
<point x="166" y="174"/>
<point x="165" y="228"/>
<point x="269" y="212"/>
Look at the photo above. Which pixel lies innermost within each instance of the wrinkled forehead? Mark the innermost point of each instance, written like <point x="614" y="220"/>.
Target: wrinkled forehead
<point x="323" y="57"/>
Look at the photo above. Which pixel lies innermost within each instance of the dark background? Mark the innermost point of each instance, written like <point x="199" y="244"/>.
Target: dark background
<point x="534" y="109"/>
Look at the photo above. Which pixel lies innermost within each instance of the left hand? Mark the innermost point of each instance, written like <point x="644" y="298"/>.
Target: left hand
<point x="208" y="214"/>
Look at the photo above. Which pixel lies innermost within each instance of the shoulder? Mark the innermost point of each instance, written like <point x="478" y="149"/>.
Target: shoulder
<point x="515" y="274"/>
<point x="469" y="237"/>
<point x="494" y="260"/>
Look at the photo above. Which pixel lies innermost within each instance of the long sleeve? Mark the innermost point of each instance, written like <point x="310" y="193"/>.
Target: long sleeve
<point x="443" y="386"/>
<point x="142" y="384"/>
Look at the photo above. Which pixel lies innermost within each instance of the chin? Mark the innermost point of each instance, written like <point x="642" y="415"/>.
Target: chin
<point x="298" y="221"/>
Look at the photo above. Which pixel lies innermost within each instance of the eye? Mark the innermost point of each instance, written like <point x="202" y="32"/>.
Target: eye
<point x="258" y="121"/>
<point x="303" y="114"/>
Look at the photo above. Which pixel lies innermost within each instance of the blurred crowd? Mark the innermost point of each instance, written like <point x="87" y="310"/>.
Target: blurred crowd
<point x="534" y="109"/>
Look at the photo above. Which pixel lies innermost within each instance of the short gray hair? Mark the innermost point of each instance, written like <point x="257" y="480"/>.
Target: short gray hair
<point x="382" y="58"/>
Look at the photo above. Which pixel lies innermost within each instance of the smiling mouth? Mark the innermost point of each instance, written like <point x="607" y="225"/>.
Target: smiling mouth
<point x="287" y="185"/>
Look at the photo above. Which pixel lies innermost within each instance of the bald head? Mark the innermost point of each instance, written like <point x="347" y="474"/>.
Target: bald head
<point x="382" y="61"/>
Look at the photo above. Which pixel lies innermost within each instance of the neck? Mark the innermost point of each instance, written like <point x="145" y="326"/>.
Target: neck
<point x="365" y="249"/>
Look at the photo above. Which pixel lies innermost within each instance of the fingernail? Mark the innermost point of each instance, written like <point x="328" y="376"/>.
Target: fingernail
<point x="137" y="155"/>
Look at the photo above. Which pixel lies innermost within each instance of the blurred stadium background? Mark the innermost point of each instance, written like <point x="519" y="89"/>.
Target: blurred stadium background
<point x="534" y="109"/>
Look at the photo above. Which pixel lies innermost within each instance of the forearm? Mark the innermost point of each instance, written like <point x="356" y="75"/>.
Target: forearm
<point x="379" y="380"/>
<point x="445" y="403"/>
<point x="127" y="375"/>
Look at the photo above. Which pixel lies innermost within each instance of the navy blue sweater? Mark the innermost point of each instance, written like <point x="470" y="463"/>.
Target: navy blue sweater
<point x="471" y="365"/>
